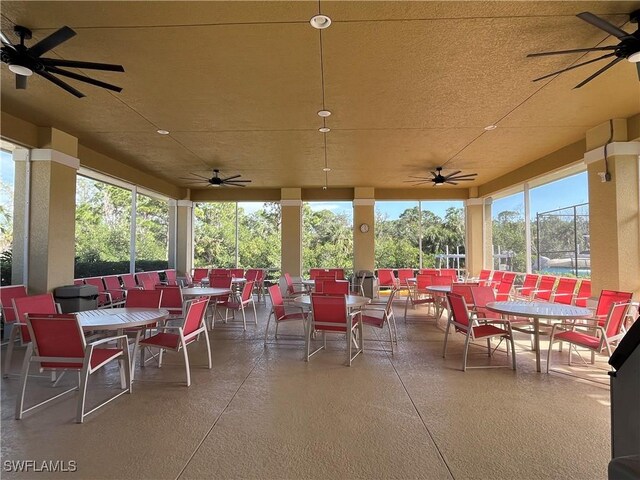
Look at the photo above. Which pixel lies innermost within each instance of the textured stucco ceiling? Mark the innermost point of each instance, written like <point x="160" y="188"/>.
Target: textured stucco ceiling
<point x="410" y="84"/>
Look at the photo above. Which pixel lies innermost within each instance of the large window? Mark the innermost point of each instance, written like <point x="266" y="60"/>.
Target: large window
<point x="152" y="233"/>
<point x="103" y="228"/>
<point x="419" y="234"/>
<point x="230" y="234"/>
<point x="559" y="227"/>
<point x="509" y="242"/>
<point x="327" y="235"/>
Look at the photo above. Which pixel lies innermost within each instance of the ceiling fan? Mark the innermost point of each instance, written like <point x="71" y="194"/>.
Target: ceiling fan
<point x="24" y="61"/>
<point x="216" y="181"/>
<point x="439" y="179"/>
<point x="628" y="48"/>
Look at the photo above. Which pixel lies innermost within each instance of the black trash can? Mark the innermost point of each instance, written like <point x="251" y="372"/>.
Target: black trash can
<point x="77" y="298"/>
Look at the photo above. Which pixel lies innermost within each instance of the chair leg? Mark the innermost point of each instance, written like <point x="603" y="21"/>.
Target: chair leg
<point x="266" y="330"/>
<point x="277" y="329"/>
<point x="390" y="336"/>
<point x="185" y="354"/>
<point x="464" y="355"/>
<point x="23" y="381"/>
<point x="255" y="315"/>
<point x="206" y="338"/>
<point x="549" y="352"/>
<point x="513" y="350"/>
<point x="446" y="338"/>
<point x="82" y="392"/>
<point x="7" y="358"/>
<point x="489" y="346"/>
<point x="244" y="318"/>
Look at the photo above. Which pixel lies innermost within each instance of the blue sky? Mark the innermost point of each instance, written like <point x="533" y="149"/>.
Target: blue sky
<point x="568" y="191"/>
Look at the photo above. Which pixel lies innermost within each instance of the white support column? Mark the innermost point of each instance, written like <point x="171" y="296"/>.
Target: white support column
<point x="527" y="227"/>
<point x="132" y="230"/>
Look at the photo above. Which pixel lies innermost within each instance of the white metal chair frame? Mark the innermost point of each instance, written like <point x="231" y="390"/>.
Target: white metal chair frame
<point x="183" y="340"/>
<point x="351" y="337"/>
<point x="239" y="304"/>
<point x="32" y="355"/>
<point x="300" y="314"/>
<point x="387" y="318"/>
<point x="470" y="337"/>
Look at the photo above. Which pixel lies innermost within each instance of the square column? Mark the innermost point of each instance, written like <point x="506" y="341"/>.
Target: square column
<point x="364" y="255"/>
<point x="614" y="209"/>
<point x="474" y="239"/>
<point x="49" y="221"/>
<point x="291" y="231"/>
<point x="181" y="236"/>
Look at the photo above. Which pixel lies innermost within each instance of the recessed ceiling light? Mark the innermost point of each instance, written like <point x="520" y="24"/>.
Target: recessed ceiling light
<point x="324" y="113"/>
<point x="490" y="127"/>
<point x="633" y="58"/>
<point x="326" y="169"/>
<point x="324" y="188"/>
<point x="324" y="129"/>
<point x="320" y="21"/>
<point x="163" y="132"/>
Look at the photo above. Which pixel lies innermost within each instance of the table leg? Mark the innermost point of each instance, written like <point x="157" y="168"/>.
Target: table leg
<point x="536" y="341"/>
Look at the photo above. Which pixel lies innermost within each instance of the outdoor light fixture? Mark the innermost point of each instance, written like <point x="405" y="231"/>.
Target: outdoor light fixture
<point x="633" y="58"/>
<point x="163" y="132"/>
<point x="324" y="113"/>
<point x="324" y="129"/>
<point x="20" y="70"/>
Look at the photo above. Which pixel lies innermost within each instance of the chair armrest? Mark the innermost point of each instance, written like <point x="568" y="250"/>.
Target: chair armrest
<point x="107" y="340"/>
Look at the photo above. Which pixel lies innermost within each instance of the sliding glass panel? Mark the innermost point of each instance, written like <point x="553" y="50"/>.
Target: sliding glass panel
<point x="103" y="228"/>
<point x="327" y="235"/>
<point x="152" y="233"/>
<point x="214" y="234"/>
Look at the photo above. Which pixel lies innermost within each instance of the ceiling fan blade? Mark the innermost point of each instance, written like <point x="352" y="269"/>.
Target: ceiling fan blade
<point x="56" y="62"/>
<point x="234" y="185"/>
<point x="231" y="178"/>
<point x="434" y="174"/>
<point x="60" y="83"/>
<point x="82" y="78"/>
<point x="195" y="175"/>
<point x="453" y="174"/>
<point x="6" y="41"/>
<point x="638" y="67"/>
<point x="52" y="41"/>
<point x="606" y="67"/>
<point x="21" y="82"/>
<point x="450" y="183"/>
<point x="237" y="181"/>
<point x="575" y="50"/>
<point x="422" y="183"/>
<point x="574" y="66"/>
<point x="602" y="24"/>
<point x="462" y="177"/>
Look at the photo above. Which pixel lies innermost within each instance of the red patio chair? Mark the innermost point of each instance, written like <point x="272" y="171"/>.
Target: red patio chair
<point x="199" y="274"/>
<point x="220" y="271"/>
<point x="485" y="275"/>
<point x="330" y="315"/>
<point x="7" y="294"/>
<point x="487" y="330"/>
<point x="172" y="301"/>
<point x="43" y="303"/>
<point x="193" y="327"/>
<point x="419" y="295"/>
<point x="584" y="294"/>
<point x="237" y="272"/>
<point x="280" y="314"/>
<point x="171" y="277"/>
<point x="78" y="281"/>
<point x="564" y="291"/>
<point x="338" y="273"/>
<point x="449" y="272"/>
<point x="292" y="292"/>
<point x="154" y="276"/>
<point x="503" y="291"/>
<point x="239" y="302"/>
<point x="379" y="316"/>
<point x="387" y="279"/>
<point x="544" y="291"/>
<point x="606" y="299"/>
<point x="59" y="344"/>
<point x="404" y="274"/>
<point x="113" y="288"/>
<point x="528" y="287"/>
<point x="597" y="338"/>
<point x="496" y="278"/>
<point x="429" y="271"/>
<point x="335" y="287"/>
<point x="129" y="282"/>
<point x="104" y="297"/>
<point x="143" y="299"/>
